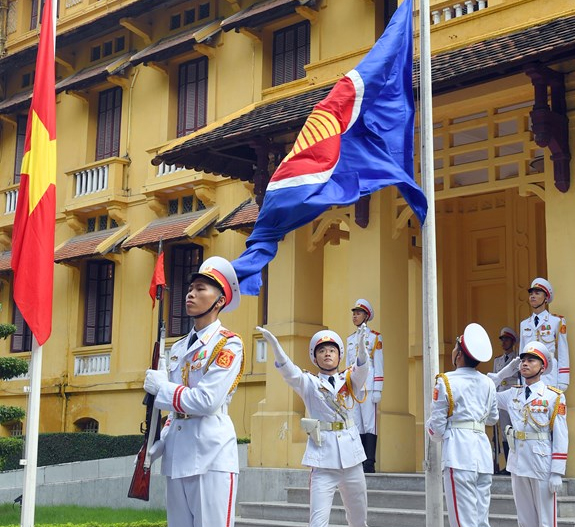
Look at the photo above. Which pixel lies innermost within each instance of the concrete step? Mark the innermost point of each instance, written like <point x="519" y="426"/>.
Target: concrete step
<point x="413" y="500"/>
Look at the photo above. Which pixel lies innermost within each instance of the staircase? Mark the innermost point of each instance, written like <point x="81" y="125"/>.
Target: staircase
<point x="394" y="500"/>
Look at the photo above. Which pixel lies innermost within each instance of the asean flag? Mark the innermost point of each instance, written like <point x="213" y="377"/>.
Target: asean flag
<point x="35" y="219"/>
<point x="356" y="141"/>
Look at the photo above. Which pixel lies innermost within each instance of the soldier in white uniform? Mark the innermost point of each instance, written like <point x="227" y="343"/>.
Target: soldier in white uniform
<point x="334" y="449"/>
<point x="365" y="413"/>
<point x="549" y="329"/>
<point x="464" y="401"/>
<point x="508" y="339"/>
<point x="538" y="437"/>
<point x="198" y="441"/>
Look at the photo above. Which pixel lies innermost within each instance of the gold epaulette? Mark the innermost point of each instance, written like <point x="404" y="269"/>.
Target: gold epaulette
<point x="450" y="403"/>
<point x="375" y="332"/>
<point x="227" y="333"/>
<point x="556" y="390"/>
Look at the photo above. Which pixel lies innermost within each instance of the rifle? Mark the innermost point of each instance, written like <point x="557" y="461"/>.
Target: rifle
<point x="140" y="485"/>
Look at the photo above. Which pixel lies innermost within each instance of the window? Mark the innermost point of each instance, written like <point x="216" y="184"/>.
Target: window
<point x="99" y="301"/>
<point x="87" y="425"/>
<point x="290" y="53"/>
<point x="34" y="18"/>
<point x="20" y="140"/>
<point x="22" y="337"/>
<point x="192" y="95"/>
<point x="109" y="117"/>
<point x="186" y="259"/>
<point x="184" y="205"/>
<point x="15" y="429"/>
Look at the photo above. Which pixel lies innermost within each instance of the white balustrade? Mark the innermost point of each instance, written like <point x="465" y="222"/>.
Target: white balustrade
<point x="91" y="180"/>
<point x="71" y="3"/>
<point x="457" y="10"/>
<point x="11" y="200"/>
<point x="92" y="364"/>
<point x="164" y="169"/>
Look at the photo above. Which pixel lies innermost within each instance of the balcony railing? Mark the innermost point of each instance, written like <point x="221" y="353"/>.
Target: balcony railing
<point x="164" y="169"/>
<point x="456" y="10"/>
<point x="91" y="180"/>
<point x="92" y="364"/>
<point x="11" y="200"/>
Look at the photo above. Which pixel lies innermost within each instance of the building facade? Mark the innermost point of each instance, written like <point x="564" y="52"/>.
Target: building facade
<point x="172" y="116"/>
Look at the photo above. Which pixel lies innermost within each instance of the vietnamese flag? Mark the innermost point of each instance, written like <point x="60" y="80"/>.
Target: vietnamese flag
<point x="158" y="280"/>
<point x="35" y="218"/>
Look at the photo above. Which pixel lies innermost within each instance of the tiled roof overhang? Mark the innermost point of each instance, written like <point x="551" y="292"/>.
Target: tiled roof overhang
<point x="242" y="217"/>
<point x="91" y="244"/>
<point x="16" y="102"/>
<point x="263" y="12"/>
<point x="108" y="22"/>
<point x="479" y="62"/>
<point x="175" y="44"/>
<point x="172" y="228"/>
<point x="94" y="74"/>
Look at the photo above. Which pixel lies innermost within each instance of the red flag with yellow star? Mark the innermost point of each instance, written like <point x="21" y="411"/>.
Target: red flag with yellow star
<point x="35" y="219"/>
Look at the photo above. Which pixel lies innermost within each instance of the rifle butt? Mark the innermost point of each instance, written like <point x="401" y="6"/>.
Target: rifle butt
<point x="140" y="485"/>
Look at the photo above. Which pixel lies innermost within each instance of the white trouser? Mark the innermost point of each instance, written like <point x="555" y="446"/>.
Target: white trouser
<point x="365" y="416"/>
<point x="536" y="506"/>
<point x="207" y="500"/>
<point x="504" y="420"/>
<point x="353" y="491"/>
<point x="467" y="494"/>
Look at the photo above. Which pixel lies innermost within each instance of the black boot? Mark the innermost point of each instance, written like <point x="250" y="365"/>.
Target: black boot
<point x="362" y="437"/>
<point x="370" y="447"/>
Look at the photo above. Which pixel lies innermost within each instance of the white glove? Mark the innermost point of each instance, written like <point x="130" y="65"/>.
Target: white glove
<point x="361" y="351"/>
<point x="280" y="355"/>
<point x="157" y="450"/>
<point x="510" y="370"/>
<point x="555" y="482"/>
<point x="154" y="379"/>
<point x="376" y="397"/>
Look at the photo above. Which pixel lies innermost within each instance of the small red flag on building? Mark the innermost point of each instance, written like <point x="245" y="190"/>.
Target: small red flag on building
<point x="158" y="279"/>
<point x="35" y="219"/>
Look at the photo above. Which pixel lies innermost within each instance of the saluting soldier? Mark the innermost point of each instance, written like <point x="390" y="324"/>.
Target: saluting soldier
<point x="333" y="451"/>
<point x="464" y="401"/>
<point x="365" y="411"/>
<point x="198" y="441"/>
<point x="508" y="339"/>
<point x="538" y="437"/>
<point x="549" y="329"/>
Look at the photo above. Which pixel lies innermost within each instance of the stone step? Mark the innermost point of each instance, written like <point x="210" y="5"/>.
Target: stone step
<point x="294" y="515"/>
<point x="413" y="500"/>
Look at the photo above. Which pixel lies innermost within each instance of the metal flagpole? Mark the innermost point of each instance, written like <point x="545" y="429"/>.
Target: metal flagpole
<point x="30" y="460"/>
<point x="432" y="461"/>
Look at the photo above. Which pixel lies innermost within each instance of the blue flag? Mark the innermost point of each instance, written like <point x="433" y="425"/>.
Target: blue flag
<point x="356" y="141"/>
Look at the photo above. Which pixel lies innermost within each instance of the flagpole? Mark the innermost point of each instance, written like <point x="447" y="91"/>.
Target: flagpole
<point x="432" y="461"/>
<point x="30" y="460"/>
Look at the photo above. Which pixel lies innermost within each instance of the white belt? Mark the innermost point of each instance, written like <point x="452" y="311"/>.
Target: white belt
<point x="336" y="425"/>
<point x="523" y="436"/>
<point x="469" y="425"/>
<point x="179" y="415"/>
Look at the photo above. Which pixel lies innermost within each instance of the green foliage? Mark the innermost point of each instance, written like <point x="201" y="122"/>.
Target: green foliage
<point x="6" y="330"/>
<point x="11" y="367"/>
<point x="76" y="516"/>
<point x="244" y="440"/>
<point x="11" y="413"/>
<point x="10" y="452"/>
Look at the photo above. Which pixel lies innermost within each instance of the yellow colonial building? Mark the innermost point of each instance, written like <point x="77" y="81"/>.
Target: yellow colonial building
<point x="171" y="118"/>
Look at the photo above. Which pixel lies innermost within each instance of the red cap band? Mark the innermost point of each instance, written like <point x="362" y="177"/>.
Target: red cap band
<point x="220" y="279"/>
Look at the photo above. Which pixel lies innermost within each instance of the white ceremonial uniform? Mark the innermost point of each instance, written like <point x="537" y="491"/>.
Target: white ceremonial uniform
<point x="365" y="414"/>
<point x="498" y="364"/>
<point x="552" y="331"/>
<point x="467" y="461"/>
<point x="337" y="463"/>
<point x="200" y="458"/>
<point x="533" y="460"/>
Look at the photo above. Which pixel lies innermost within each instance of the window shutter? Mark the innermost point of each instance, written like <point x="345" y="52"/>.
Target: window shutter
<point x="22" y="337"/>
<point x="192" y="96"/>
<point x="109" y="123"/>
<point x="91" y="304"/>
<point x="20" y="143"/>
<point x="186" y="259"/>
<point x="34" y="14"/>
<point x="290" y="53"/>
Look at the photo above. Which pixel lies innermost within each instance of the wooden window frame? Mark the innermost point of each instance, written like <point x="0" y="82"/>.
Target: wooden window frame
<point x="185" y="259"/>
<point x="22" y="338"/>
<point x="109" y="123"/>
<point x="291" y="52"/>
<point x="99" y="302"/>
<point x="192" y="96"/>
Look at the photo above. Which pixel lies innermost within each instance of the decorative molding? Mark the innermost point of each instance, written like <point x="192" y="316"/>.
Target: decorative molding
<point x="157" y="206"/>
<point x="252" y="34"/>
<point x="206" y="193"/>
<point x="234" y="4"/>
<point x="81" y="95"/>
<point x="66" y="60"/>
<point x="162" y="67"/>
<point x="327" y="228"/>
<point x="204" y="49"/>
<point x="118" y="214"/>
<point x="308" y="13"/>
<point x="75" y="223"/>
<point x="119" y="80"/>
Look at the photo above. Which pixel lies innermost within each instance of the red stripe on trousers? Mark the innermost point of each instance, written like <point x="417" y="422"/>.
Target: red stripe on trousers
<point x="454" y="495"/>
<point x="230" y="499"/>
